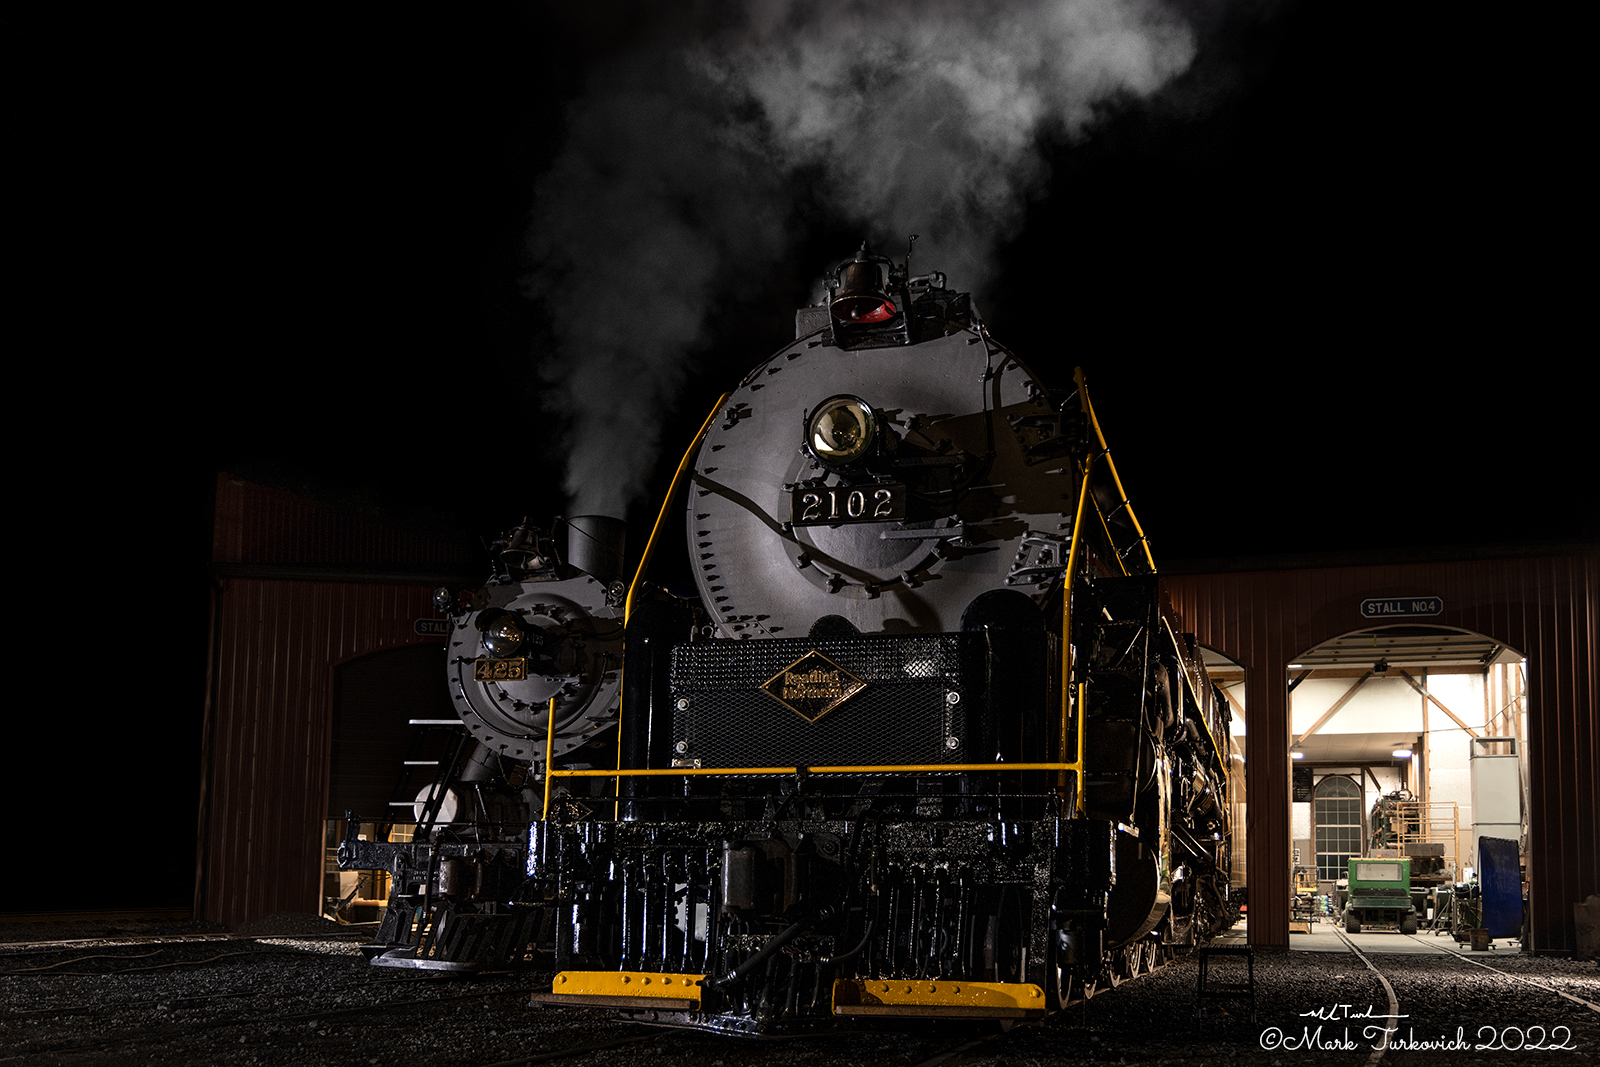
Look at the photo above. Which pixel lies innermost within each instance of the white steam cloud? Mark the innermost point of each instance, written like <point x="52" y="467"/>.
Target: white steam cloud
<point x="922" y="118"/>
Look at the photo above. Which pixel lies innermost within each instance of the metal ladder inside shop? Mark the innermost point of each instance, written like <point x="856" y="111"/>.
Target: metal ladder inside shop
<point x="430" y="761"/>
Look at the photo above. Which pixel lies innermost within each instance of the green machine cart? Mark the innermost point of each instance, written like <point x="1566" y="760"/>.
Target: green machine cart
<point x="1380" y="896"/>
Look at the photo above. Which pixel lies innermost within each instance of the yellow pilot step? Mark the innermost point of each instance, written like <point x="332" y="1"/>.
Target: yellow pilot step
<point x="624" y="989"/>
<point x="938" y="999"/>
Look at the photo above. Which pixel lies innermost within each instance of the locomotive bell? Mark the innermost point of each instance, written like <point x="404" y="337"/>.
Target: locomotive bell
<point x="529" y="550"/>
<point x="862" y="295"/>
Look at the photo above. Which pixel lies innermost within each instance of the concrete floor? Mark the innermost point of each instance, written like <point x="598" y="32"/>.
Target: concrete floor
<point x="1324" y="937"/>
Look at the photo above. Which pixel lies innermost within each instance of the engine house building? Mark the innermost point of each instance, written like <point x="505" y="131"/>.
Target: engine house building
<point x="1462" y="689"/>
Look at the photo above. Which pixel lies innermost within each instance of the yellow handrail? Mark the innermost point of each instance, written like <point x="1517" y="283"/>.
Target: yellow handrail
<point x="902" y="768"/>
<point x="644" y="560"/>
<point x="672" y="493"/>
<point x="1085" y="498"/>
<point x="1066" y="637"/>
<point x="1088" y="409"/>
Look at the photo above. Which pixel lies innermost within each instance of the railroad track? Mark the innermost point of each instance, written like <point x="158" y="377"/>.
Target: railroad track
<point x="1555" y="1036"/>
<point x="332" y="1009"/>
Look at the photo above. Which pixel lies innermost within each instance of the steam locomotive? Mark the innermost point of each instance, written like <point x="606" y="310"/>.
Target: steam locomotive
<point x="929" y="743"/>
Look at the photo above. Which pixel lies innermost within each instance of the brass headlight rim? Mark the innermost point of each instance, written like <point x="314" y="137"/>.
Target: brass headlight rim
<point x="836" y="459"/>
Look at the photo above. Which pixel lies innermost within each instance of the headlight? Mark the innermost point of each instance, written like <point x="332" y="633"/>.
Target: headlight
<point x="841" y="430"/>
<point x="502" y="635"/>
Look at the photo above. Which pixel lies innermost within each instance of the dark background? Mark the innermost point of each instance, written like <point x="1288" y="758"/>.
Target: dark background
<point x="1311" y="283"/>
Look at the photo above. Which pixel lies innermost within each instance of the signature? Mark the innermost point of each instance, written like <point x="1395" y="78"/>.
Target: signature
<point x="1488" y="1038"/>
<point x="1346" y="1011"/>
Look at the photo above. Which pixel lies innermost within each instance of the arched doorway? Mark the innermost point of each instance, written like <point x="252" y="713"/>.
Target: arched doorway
<point x="1406" y="741"/>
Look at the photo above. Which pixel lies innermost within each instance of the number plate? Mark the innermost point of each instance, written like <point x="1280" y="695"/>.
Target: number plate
<point x="500" y="670"/>
<point x="833" y="504"/>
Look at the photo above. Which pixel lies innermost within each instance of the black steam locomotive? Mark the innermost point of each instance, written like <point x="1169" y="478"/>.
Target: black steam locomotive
<point x="928" y="744"/>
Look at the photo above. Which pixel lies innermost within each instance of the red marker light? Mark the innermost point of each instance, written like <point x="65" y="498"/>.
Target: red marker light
<point x="866" y="311"/>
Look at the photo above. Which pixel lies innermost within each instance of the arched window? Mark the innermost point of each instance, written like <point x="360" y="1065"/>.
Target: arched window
<point x="1337" y="815"/>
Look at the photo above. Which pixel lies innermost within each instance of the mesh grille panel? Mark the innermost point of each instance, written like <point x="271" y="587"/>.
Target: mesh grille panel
<point x="902" y="716"/>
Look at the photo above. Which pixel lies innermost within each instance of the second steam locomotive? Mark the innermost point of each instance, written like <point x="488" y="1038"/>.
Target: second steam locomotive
<point x="928" y="743"/>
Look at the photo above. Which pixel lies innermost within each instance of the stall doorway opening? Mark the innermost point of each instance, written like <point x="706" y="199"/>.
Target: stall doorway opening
<point x="1406" y="742"/>
<point x="382" y="748"/>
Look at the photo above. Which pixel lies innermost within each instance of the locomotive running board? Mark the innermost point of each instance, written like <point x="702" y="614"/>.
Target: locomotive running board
<point x="624" y="989"/>
<point x="938" y="999"/>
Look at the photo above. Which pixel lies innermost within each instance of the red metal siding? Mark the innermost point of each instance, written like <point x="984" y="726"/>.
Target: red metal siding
<point x="259" y="524"/>
<point x="1548" y="609"/>
<point x="266" y="785"/>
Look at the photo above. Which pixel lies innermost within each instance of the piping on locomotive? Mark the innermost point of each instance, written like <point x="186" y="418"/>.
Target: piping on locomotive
<point x="929" y="744"/>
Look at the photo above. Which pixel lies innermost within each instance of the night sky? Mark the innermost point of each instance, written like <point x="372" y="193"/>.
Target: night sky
<point x="1308" y="276"/>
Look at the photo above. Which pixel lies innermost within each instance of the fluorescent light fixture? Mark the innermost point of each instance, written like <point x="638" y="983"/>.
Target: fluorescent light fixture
<point x="1402" y="753"/>
<point x="1297" y="755"/>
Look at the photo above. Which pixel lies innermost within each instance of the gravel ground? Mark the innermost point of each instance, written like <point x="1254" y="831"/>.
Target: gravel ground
<point x="295" y="990"/>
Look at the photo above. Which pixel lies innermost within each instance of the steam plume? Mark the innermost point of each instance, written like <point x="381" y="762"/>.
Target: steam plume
<point x="921" y="118"/>
<point x="658" y="189"/>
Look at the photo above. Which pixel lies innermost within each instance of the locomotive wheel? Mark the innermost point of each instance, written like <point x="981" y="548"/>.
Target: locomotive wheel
<point x="1118" y="966"/>
<point x="1058" y="994"/>
<point x="1003" y="940"/>
<point x="1130" y="961"/>
<point x="1071" y="989"/>
<point x="1011" y="934"/>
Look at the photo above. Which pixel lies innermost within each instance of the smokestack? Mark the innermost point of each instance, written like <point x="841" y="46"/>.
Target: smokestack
<point x="595" y="545"/>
